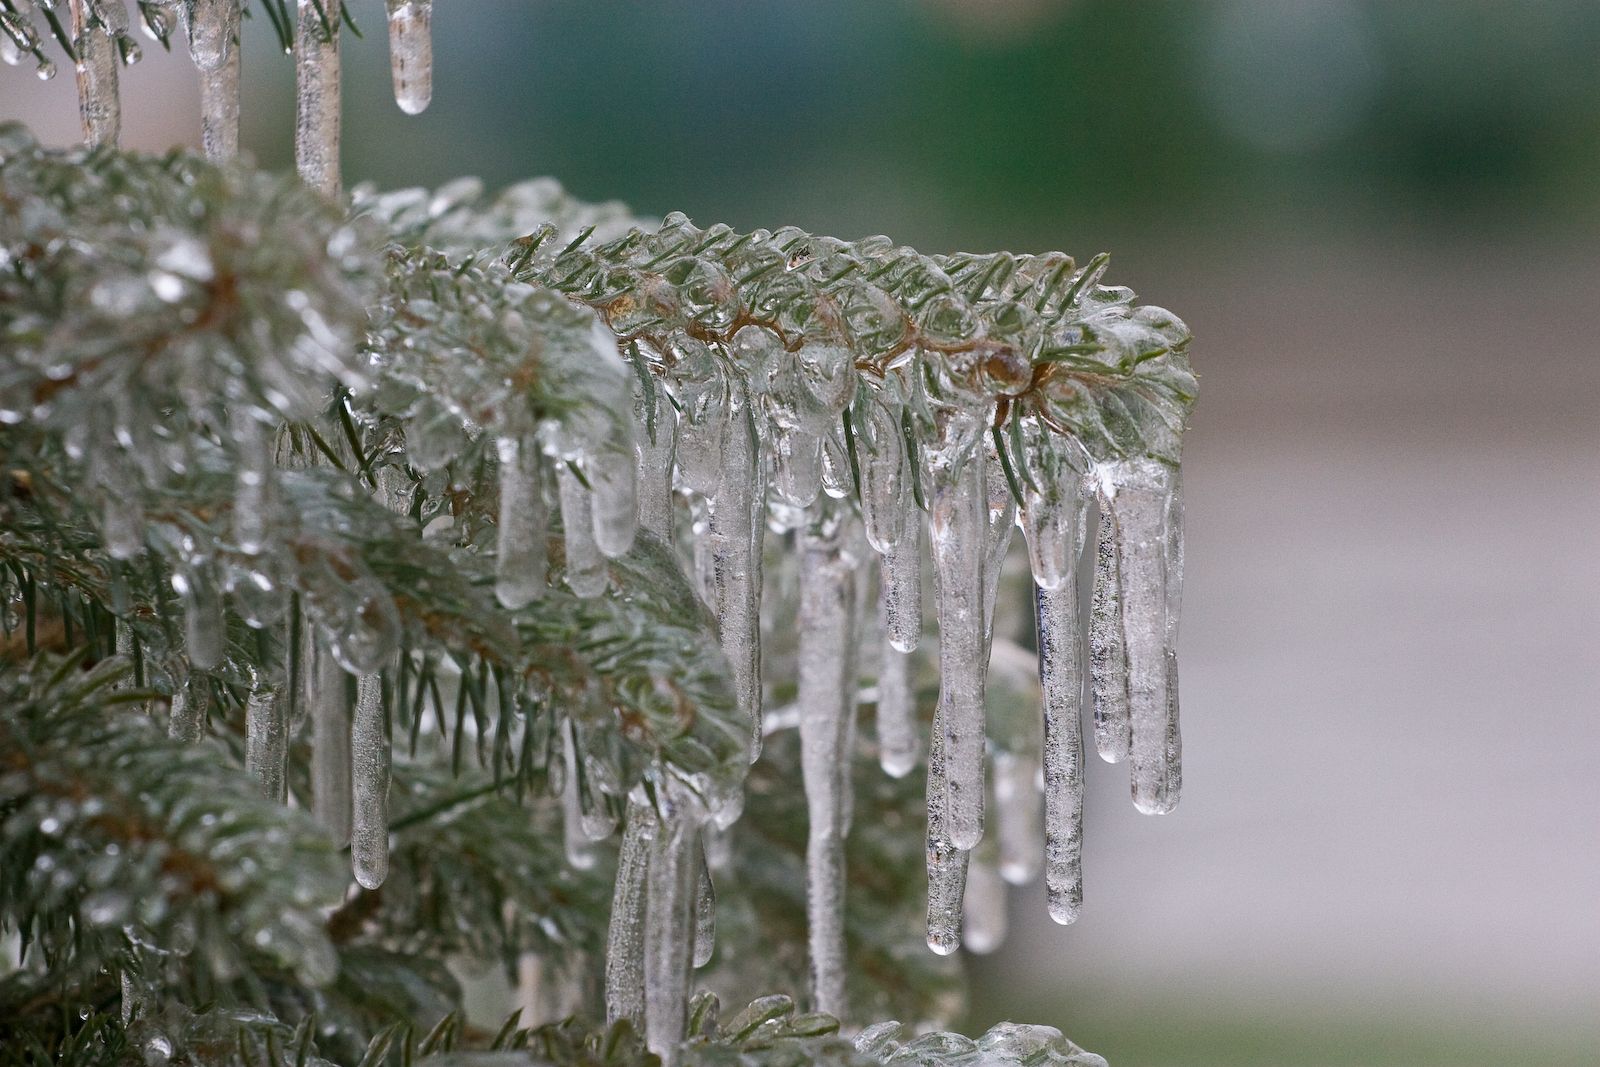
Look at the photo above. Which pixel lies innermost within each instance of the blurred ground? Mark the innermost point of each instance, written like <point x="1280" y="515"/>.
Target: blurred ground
<point x="1381" y="221"/>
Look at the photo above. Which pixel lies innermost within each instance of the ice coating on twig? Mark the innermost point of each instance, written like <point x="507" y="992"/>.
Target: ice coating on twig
<point x="213" y="28"/>
<point x="958" y="534"/>
<point x="586" y="567"/>
<point x="1108" y="657"/>
<point x="625" y="932"/>
<point x="826" y="625"/>
<point x="732" y="546"/>
<point x="1137" y="494"/>
<point x="370" y="760"/>
<point x="411" y="53"/>
<point x="669" y="930"/>
<point x="266" y="740"/>
<point x="316" y="62"/>
<point x="521" y="549"/>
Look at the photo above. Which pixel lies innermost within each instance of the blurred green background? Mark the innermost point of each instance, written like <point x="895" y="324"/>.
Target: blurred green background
<point x="1381" y="219"/>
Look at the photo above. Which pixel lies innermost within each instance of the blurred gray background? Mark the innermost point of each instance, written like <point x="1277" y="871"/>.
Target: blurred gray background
<point x="1382" y="221"/>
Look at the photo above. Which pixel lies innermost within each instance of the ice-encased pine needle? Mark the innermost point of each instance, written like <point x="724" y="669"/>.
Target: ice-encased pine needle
<point x="370" y="761"/>
<point x="669" y="929"/>
<point x="1061" y="679"/>
<point x="266" y="740"/>
<point x="316" y="128"/>
<point x="521" y="550"/>
<point x="1108" y="657"/>
<point x="958" y="535"/>
<point x="1137" y="493"/>
<point x="735" y="521"/>
<point x="411" y="53"/>
<point x="625" y="932"/>
<point x="586" y="567"/>
<point x="827" y="700"/>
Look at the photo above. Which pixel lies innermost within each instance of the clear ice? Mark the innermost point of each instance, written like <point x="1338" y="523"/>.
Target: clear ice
<point x="624" y="978"/>
<point x="316" y="128"/>
<point x="266" y="740"/>
<point x="521" y="549"/>
<point x="411" y="53"/>
<point x="586" y="566"/>
<point x="1108" y="657"/>
<point x="370" y="757"/>
<point x="213" y="28"/>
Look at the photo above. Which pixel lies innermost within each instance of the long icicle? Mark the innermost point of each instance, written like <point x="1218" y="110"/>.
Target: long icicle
<point x="947" y="865"/>
<point x="1061" y="678"/>
<point x="734" y="526"/>
<point x="625" y="932"/>
<point x="369" y="769"/>
<point x="266" y="740"/>
<point x="705" y="914"/>
<point x="1108" y="657"/>
<point x="669" y="928"/>
<point x="1174" y="554"/>
<point x="326" y="700"/>
<point x="521" y="560"/>
<point x="99" y="104"/>
<point x="1138" y="493"/>
<point x="579" y="845"/>
<point x="316" y="128"/>
<point x="902" y="581"/>
<point x="411" y="53"/>
<point x="958" y="536"/>
<point x="213" y="28"/>
<point x="827" y="700"/>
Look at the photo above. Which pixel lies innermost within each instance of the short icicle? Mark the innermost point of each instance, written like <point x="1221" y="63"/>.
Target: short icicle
<point x="614" y="502"/>
<point x="958" y="537"/>
<point x="625" y="933"/>
<point x="521" y="550"/>
<point x="1138" y="493"/>
<point x="326" y="700"/>
<point x="316" y="129"/>
<point x="898" y="744"/>
<point x="266" y="740"/>
<point x="1108" y="656"/>
<point x="828" y="561"/>
<point x="99" y="103"/>
<point x="579" y="845"/>
<point x="735" y="522"/>
<point x="213" y="27"/>
<point x="411" y="53"/>
<point x="705" y="914"/>
<point x="369" y="768"/>
<point x="669" y="928"/>
<point x="586" y="567"/>
<point x="186" y="721"/>
<point x="1018" y="815"/>
<point x="902" y="581"/>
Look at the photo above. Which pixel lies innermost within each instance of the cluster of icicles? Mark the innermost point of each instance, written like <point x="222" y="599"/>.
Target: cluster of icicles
<point x="745" y="457"/>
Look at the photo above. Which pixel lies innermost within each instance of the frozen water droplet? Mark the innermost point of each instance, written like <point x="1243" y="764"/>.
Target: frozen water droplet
<point x="370" y="759"/>
<point x="411" y="53"/>
<point x="521" y="546"/>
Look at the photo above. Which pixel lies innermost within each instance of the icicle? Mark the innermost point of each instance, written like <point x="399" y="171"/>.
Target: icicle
<point x="1061" y="677"/>
<point x="1174" y="558"/>
<point x="796" y="465"/>
<point x="586" y="567"/>
<point x="205" y="631"/>
<point x="521" y="550"/>
<point x="827" y="701"/>
<point x="369" y="746"/>
<point x="213" y="27"/>
<point x="625" y="933"/>
<point x="669" y="931"/>
<point x="883" y="479"/>
<point x="983" y="905"/>
<point x="98" y="102"/>
<point x="252" y="486"/>
<point x="1137" y="494"/>
<point x="579" y="847"/>
<point x="657" y="446"/>
<point x="902" y="581"/>
<point x="326" y="701"/>
<point x="958" y="537"/>
<point x="316" y="130"/>
<point x="1108" y="658"/>
<point x="614" y="502"/>
<point x="705" y="914"/>
<point x="411" y="53"/>
<point x="1018" y="815"/>
<point x="947" y="865"/>
<point x="122" y="523"/>
<point x="186" y="721"/>
<point x="266" y="740"/>
<point x="898" y="745"/>
<point x="732" y="546"/>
